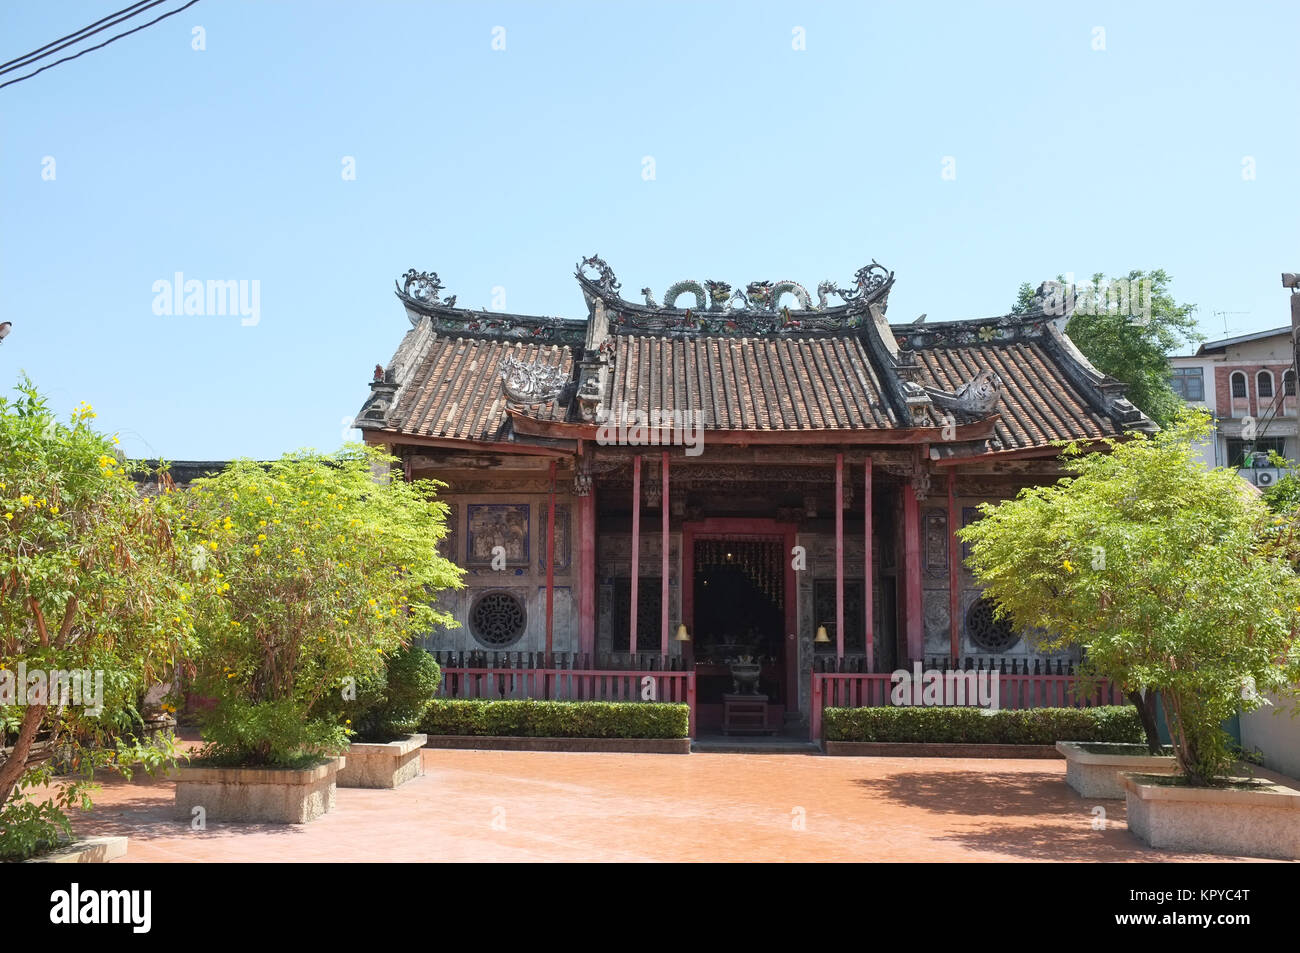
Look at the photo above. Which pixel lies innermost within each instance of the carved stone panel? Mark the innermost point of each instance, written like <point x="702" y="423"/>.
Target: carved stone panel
<point x="936" y="542"/>
<point x="497" y="524"/>
<point x="561" y="542"/>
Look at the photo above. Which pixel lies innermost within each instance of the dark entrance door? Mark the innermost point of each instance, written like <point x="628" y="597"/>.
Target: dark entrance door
<point x="738" y="604"/>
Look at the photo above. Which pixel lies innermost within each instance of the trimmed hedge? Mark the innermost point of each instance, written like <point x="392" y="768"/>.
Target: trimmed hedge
<point x="1026" y="726"/>
<point x="543" y="719"/>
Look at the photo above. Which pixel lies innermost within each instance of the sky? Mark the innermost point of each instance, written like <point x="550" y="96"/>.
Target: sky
<point x="314" y="151"/>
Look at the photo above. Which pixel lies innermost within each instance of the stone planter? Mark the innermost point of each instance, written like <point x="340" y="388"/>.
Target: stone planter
<point x="1262" y="821"/>
<point x="278" y="795"/>
<point x="383" y="765"/>
<point x="1100" y="774"/>
<point x="88" y="850"/>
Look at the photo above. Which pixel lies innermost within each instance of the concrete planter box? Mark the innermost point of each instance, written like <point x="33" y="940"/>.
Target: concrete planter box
<point x="383" y="765"/>
<point x="278" y="795"/>
<point x="89" y="850"/>
<point x="1261" y="822"/>
<point x="1101" y="775"/>
<point x="510" y="743"/>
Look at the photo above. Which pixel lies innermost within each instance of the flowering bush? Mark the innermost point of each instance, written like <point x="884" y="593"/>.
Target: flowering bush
<point x="1172" y="577"/>
<point x="95" y="607"/>
<point x="319" y="571"/>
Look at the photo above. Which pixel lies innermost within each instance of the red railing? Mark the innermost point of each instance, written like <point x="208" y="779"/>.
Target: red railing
<point x="862" y="690"/>
<point x="569" y="684"/>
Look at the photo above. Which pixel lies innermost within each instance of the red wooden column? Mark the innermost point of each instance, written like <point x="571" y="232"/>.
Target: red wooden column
<point x="550" y="567"/>
<point x="954" y="567"/>
<point x="587" y="594"/>
<point x="663" y="595"/>
<point x="915" y="623"/>
<point x="867" y="592"/>
<point x="636" y="549"/>
<point x="839" y="556"/>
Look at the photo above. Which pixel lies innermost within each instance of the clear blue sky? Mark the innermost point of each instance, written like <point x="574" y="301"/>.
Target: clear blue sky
<point x="503" y="168"/>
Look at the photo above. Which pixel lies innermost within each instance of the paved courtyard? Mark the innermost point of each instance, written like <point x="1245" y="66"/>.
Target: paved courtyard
<point x="538" y="806"/>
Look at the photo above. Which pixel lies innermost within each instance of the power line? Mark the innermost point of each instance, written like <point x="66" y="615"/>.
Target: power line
<point x="74" y="37"/>
<point x="101" y="45"/>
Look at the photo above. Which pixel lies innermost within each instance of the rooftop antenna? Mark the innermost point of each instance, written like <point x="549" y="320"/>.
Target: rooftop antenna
<point x="1225" y="315"/>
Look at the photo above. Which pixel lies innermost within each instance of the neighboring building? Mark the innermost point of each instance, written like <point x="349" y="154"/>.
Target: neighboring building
<point x="834" y="456"/>
<point x="1248" y="383"/>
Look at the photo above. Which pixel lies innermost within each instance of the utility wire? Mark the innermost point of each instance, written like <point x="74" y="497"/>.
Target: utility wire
<point x="101" y="45"/>
<point x="74" y="37"/>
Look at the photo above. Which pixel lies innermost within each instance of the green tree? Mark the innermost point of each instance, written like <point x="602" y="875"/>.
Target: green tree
<point x="1172" y="578"/>
<point x="1131" y="345"/>
<point x="321" y="570"/>
<point x="92" y="581"/>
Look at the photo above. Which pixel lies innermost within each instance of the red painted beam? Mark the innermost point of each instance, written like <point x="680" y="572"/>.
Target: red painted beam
<point x="867" y="590"/>
<point x="839" y="556"/>
<point x="636" y="549"/>
<point x="663" y="596"/>
<point x="954" y="568"/>
<point x="587" y="599"/>
<point x="913" y="620"/>
<point x="550" y="567"/>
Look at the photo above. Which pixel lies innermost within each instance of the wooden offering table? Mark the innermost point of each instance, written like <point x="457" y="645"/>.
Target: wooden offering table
<point x="745" y="715"/>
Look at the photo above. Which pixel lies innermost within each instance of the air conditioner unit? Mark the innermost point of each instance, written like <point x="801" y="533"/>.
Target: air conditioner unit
<point x="1264" y="477"/>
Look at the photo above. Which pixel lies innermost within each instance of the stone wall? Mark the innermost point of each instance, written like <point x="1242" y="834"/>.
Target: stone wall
<point x="517" y="523"/>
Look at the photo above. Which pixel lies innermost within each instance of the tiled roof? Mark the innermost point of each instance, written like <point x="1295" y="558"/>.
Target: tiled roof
<point x="454" y="390"/>
<point x="811" y="383"/>
<point x="1039" y="403"/>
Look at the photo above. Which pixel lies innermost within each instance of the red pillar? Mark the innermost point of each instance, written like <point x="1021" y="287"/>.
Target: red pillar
<point x="636" y="549"/>
<point x="954" y="567"/>
<point x="550" y="567"/>
<point x="839" y="556"/>
<point x="663" y="596"/>
<point x="915" y="623"/>
<point x="587" y="596"/>
<point x="867" y="592"/>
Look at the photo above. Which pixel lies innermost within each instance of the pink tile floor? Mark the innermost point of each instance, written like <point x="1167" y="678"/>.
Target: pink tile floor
<point x="538" y="806"/>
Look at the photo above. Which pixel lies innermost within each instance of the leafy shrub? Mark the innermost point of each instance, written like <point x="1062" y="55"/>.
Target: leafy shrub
<point x="542" y="719"/>
<point x="321" y="572"/>
<point x="1028" y="726"/>
<point x="391" y="703"/>
<point x="31" y="828"/>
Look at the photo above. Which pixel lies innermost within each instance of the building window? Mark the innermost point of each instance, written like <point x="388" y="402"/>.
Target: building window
<point x="1238" y="449"/>
<point x="498" y="619"/>
<point x="1238" y="385"/>
<point x="1189" y="383"/>
<point x="989" y="634"/>
<point x="1264" y="384"/>
<point x="824" y="614"/>
<point x="1288" y="384"/>
<point x="649" y="601"/>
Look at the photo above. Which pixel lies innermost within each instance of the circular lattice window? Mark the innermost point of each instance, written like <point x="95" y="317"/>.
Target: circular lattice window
<point x="988" y="633"/>
<point x="497" y="619"/>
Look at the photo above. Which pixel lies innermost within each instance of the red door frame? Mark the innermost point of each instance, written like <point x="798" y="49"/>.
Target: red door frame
<point x="722" y="527"/>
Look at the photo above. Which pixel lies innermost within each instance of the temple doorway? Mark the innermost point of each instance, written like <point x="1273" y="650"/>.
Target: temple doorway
<point x="739" y="607"/>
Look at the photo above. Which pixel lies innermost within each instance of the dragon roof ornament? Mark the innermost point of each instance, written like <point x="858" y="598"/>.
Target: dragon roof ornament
<point x="531" y="382"/>
<point x="424" y="287"/>
<point x="719" y="308"/>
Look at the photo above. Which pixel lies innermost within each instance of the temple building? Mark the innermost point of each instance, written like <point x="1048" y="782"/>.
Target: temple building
<point x="729" y="474"/>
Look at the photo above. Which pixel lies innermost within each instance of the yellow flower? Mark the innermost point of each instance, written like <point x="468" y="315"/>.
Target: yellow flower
<point x="9" y="516"/>
<point x="261" y="537"/>
<point x="1068" y="567"/>
<point x="213" y="546"/>
<point x="54" y="510"/>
